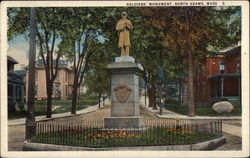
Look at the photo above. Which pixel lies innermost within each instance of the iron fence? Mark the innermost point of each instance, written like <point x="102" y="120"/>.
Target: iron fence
<point x="91" y="133"/>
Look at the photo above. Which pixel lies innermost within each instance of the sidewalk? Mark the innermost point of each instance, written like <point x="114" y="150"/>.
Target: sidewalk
<point x="89" y="109"/>
<point x="226" y="128"/>
<point x="233" y="130"/>
<point x="173" y="115"/>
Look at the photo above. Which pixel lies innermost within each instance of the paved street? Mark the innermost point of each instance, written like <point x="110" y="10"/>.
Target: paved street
<point x="233" y="143"/>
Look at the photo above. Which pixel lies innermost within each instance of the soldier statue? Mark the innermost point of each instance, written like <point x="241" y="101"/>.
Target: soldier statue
<point x="123" y="27"/>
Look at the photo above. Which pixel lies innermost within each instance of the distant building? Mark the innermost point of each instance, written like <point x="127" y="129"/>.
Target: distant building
<point x="62" y="86"/>
<point x="218" y="79"/>
<point x="16" y="88"/>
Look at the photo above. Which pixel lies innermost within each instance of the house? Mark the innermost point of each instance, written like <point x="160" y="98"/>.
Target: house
<point x="16" y="88"/>
<point x="218" y="79"/>
<point x="62" y="86"/>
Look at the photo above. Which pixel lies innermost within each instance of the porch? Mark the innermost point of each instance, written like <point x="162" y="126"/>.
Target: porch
<point x="225" y="87"/>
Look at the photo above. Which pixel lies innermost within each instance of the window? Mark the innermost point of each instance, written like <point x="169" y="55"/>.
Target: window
<point x="222" y="67"/>
<point x="36" y="75"/>
<point x="57" y="76"/>
<point x="66" y="90"/>
<point x="56" y="89"/>
<point x="18" y="92"/>
<point x="66" y="76"/>
<point x="10" y="90"/>
<point x="238" y="69"/>
<point x="36" y="89"/>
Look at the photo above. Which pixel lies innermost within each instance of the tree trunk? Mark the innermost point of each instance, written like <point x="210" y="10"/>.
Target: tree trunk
<point x="190" y="85"/>
<point x="74" y="98"/>
<point x="153" y="94"/>
<point x="179" y="96"/>
<point x="103" y="102"/>
<point x="49" y="100"/>
<point x="99" y="98"/>
<point x="149" y="97"/>
<point x="145" y="95"/>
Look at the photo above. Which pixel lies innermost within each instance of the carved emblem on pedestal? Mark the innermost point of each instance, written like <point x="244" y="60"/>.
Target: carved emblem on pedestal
<point x="122" y="92"/>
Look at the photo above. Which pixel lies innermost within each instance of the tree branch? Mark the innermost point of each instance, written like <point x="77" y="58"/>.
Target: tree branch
<point x="51" y="56"/>
<point x="56" y="67"/>
<point x="41" y="46"/>
<point x="85" y="68"/>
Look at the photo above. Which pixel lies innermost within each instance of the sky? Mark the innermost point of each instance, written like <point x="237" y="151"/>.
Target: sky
<point x="18" y="49"/>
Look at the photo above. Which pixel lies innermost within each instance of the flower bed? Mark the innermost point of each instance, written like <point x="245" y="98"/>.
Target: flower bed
<point x="98" y="137"/>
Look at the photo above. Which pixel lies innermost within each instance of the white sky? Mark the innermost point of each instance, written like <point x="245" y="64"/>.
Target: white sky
<point x="18" y="49"/>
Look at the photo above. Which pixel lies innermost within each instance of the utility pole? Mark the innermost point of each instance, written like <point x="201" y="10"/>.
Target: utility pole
<point x="30" y="116"/>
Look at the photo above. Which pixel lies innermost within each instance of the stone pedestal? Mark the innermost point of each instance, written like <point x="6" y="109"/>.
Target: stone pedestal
<point x="125" y="110"/>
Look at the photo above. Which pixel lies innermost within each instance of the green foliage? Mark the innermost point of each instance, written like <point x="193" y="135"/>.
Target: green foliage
<point x="94" y="137"/>
<point x="203" y="110"/>
<point x="159" y="36"/>
<point x="58" y="106"/>
<point x="89" y="97"/>
<point x="98" y="77"/>
<point x="170" y="100"/>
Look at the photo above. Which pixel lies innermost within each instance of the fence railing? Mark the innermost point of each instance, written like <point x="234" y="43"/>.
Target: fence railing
<point x="91" y="133"/>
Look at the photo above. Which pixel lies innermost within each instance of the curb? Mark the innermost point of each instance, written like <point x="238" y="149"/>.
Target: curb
<point x="207" y="145"/>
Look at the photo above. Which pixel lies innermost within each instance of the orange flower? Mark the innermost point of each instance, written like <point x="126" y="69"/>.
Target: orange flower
<point x="99" y="134"/>
<point x="124" y="133"/>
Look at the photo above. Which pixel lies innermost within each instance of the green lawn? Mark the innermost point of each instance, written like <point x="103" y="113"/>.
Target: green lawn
<point x="203" y="110"/>
<point x="58" y="106"/>
<point x="92" y="137"/>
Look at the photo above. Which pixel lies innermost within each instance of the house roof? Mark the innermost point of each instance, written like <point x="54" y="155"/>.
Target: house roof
<point x="219" y="76"/>
<point x="229" y="52"/>
<point x="233" y="51"/>
<point x="20" y="72"/>
<point x="61" y="64"/>
<point x="10" y="59"/>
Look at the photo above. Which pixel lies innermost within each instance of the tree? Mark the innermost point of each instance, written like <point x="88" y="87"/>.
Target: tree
<point x="190" y="31"/>
<point x="98" y="78"/>
<point x="147" y="48"/>
<point x="50" y="22"/>
<point x="86" y="25"/>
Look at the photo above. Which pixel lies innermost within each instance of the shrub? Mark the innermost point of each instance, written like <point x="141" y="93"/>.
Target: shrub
<point x="170" y="100"/>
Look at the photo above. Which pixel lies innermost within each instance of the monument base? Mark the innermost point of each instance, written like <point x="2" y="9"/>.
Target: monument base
<point x="124" y="59"/>
<point x="123" y="122"/>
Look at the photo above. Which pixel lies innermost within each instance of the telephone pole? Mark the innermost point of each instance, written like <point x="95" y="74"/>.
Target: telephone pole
<point x="30" y="116"/>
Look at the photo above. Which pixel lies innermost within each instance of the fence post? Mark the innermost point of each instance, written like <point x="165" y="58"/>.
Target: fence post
<point x="216" y="129"/>
<point x="221" y="128"/>
<point x="38" y="131"/>
<point x="45" y="131"/>
<point x="62" y="131"/>
<point x="211" y="125"/>
<point x="82" y="136"/>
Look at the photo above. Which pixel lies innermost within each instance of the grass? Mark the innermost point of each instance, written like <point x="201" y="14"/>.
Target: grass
<point x="58" y="106"/>
<point x="92" y="137"/>
<point x="203" y="110"/>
